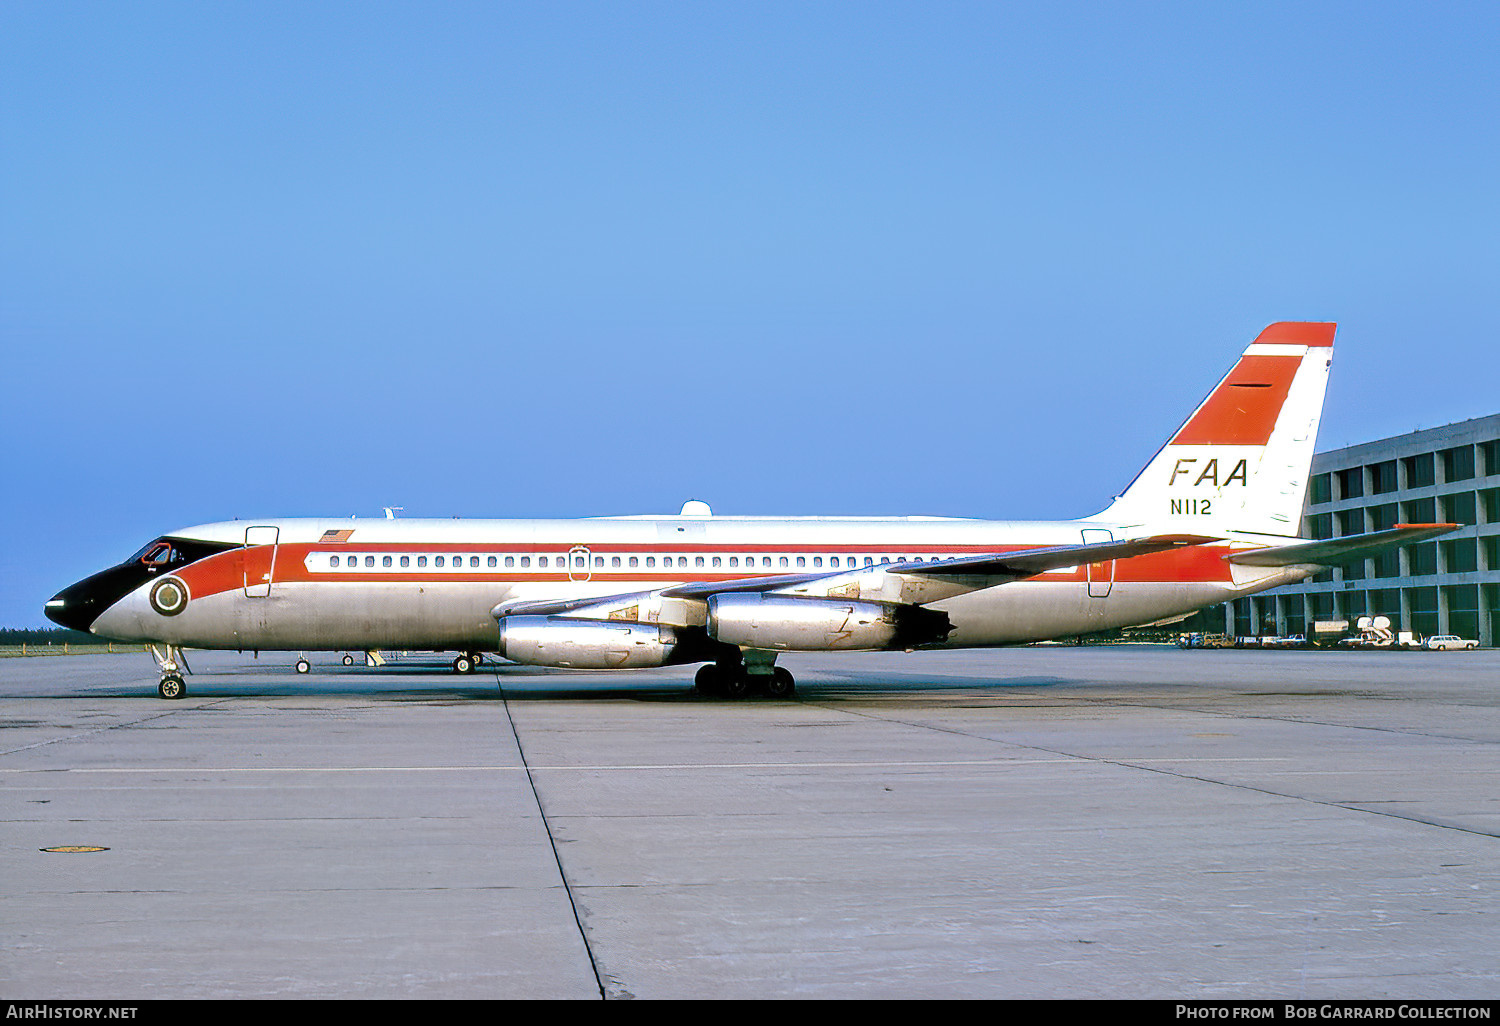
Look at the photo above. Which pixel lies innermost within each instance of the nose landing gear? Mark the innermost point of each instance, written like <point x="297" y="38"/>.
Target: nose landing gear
<point x="170" y="660"/>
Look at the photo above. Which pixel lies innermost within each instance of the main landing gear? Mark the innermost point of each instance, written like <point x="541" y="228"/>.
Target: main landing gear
<point x="467" y="662"/>
<point x="738" y="680"/>
<point x="170" y="659"/>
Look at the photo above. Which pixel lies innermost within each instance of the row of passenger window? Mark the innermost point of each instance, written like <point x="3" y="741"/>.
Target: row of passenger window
<point x="581" y="562"/>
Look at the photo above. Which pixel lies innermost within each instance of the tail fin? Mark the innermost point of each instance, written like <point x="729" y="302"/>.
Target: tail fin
<point x="1240" y="463"/>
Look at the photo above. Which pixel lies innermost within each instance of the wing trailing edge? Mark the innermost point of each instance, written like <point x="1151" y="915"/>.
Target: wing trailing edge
<point x="1030" y="562"/>
<point x="1331" y="551"/>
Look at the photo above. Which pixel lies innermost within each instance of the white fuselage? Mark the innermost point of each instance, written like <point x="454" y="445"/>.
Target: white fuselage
<point x="433" y="584"/>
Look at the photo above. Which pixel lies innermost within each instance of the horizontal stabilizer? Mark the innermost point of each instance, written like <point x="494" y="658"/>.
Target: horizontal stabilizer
<point x="1332" y="551"/>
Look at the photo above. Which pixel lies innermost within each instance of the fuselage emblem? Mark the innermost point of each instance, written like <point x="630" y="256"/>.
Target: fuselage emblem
<point x="169" y="596"/>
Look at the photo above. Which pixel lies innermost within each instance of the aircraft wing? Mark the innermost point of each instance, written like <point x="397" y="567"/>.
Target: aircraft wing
<point x="910" y="583"/>
<point x="1030" y="562"/>
<point x="1331" y="551"/>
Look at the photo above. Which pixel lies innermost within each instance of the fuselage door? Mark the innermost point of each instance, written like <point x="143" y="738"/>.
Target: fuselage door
<point x="260" y="560"/>
<point x="1101" y="576"/>
<point x="578" y="564"/>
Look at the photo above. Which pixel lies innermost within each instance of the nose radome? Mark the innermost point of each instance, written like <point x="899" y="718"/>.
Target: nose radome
<point x="79" y="605"/>
<point x="69" y="609"/>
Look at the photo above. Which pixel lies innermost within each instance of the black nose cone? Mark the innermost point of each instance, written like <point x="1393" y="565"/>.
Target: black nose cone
<point x="79" y="605"/>
<point x="70" y="609"/>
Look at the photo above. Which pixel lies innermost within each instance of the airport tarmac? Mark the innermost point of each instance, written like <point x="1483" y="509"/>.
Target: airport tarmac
<point x="1049" y="822"/>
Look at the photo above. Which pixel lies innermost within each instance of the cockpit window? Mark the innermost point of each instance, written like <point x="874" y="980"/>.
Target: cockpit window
<point x="164" y="552"/>
<point x="157" y="553"/>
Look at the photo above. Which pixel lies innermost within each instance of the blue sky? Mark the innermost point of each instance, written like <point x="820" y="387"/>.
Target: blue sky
<point x="560" y="259"/>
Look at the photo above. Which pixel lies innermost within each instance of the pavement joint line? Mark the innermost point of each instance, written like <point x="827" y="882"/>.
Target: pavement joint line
<point x="562" y="873"/>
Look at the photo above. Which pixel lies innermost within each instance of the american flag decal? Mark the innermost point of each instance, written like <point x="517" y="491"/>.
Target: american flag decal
<point x="336" y="536"/>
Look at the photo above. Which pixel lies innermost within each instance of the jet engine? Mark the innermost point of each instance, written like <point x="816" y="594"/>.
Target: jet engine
<point x="585" y="644"/>
<point x="777" y="623"/>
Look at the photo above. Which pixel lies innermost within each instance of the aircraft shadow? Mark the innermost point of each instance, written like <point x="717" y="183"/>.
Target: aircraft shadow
<point x="496" y="683"/>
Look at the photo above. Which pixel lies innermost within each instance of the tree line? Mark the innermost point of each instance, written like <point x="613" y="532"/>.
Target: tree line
<point x="45" y="636"/>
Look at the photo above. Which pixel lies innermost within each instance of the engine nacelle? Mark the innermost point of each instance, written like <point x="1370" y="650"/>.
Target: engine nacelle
<point x="585" y="644"/>
<point x="779" y="624"/>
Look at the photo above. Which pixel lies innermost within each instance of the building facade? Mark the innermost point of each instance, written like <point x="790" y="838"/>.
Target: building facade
<point x="1447" y="586"/>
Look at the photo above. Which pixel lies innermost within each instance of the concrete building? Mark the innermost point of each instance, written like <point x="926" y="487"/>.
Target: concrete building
<point x="1447" y="586"/>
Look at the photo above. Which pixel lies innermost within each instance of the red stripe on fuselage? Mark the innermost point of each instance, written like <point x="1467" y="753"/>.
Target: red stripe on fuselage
<point x="1199" y="564"/>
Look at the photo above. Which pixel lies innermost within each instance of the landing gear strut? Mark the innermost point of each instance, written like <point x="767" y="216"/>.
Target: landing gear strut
<point x="741" y="679"/>
<point x="169" y="659"/>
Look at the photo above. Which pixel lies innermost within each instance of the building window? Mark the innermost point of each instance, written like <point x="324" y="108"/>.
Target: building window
<point x="1463" y="609"/>
<point x="1388" y="563"/>
<point x="1458" y="463"/>
<point x="1351" y="483"/>
<point x="1319" y="489"/>
<point x="1460" y="556"/>
<point x="1458" y="508"/>
<point x="1421" y="511"/>
<point x="1421" y="559"/>
<point x="1383" y="517"/>
<point x="1491" y="451"/>
<point x="1420" y="471"/>
<point x="1320" y="526"/>
<point x="1489" y="501"/>
<point x="1383" y="477"/>
<point x="1423" y="603"/>
<point x="1350" y="521"/>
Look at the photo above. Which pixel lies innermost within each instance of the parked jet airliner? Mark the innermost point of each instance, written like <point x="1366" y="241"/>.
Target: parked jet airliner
<point x="1212" y="517"/>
